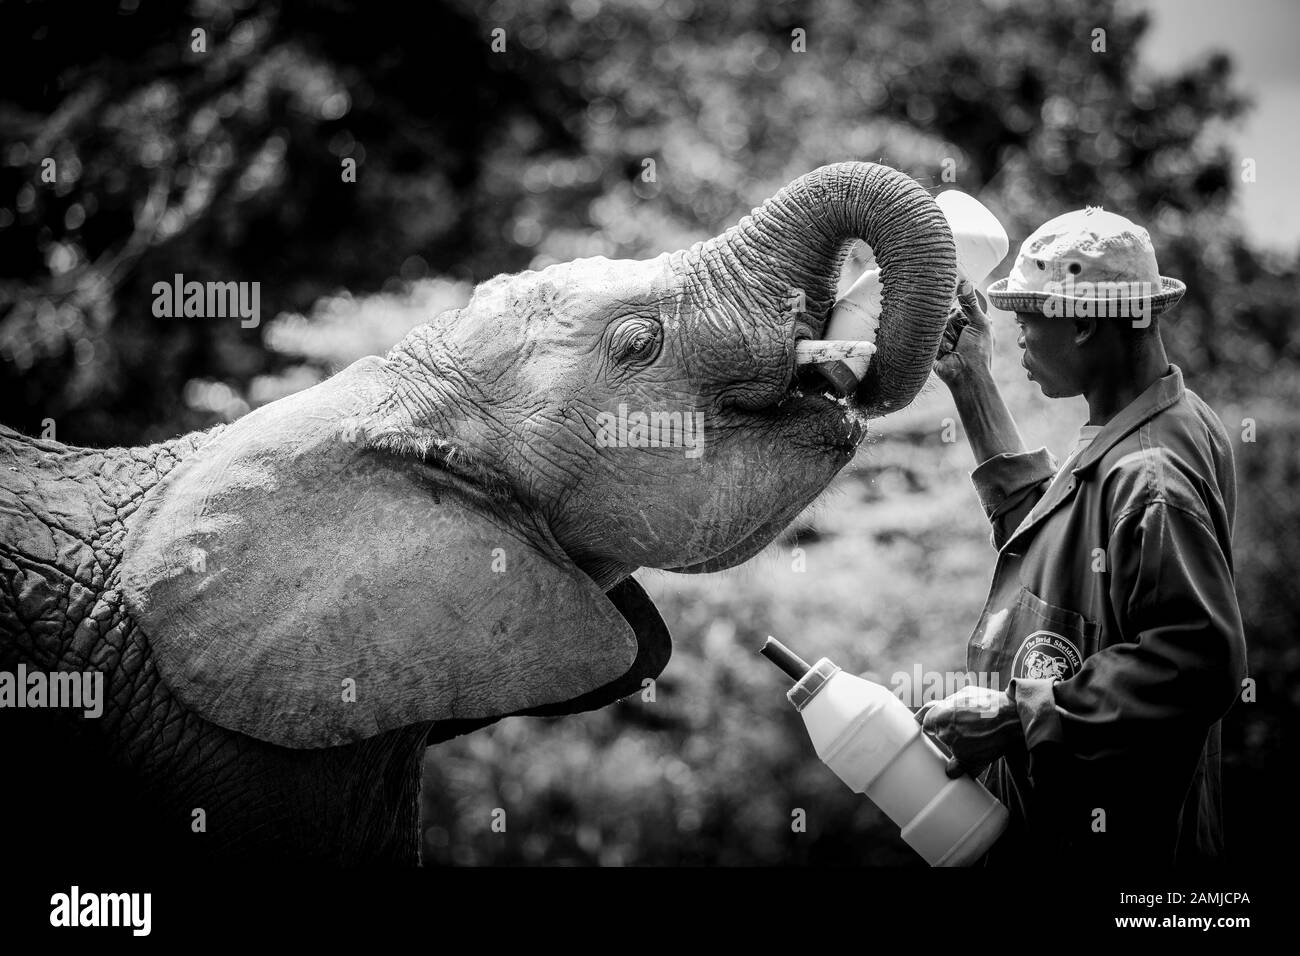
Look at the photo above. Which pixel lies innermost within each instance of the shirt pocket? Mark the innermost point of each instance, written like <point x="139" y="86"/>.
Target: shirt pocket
<point x="1037" y="640"/>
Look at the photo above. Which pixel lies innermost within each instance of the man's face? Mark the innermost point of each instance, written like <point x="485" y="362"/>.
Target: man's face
<point x="1052" y="359"/>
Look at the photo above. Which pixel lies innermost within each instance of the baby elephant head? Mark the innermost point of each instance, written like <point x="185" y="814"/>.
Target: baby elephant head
<point x="650" y="410"/>
<point x="452" y="527"/>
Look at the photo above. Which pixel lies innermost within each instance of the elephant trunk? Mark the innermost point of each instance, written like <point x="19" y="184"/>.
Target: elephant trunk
<point x="790" y="250"/>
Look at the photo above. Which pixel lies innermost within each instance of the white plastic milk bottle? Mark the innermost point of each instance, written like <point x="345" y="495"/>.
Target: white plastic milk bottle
<point x="872" y="741"/>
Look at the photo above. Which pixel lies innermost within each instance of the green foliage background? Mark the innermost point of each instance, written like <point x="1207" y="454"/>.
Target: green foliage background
<point x="225" y="165"/>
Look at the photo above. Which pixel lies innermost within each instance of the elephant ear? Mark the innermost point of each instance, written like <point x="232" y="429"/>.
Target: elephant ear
<point x="300" y="587"/>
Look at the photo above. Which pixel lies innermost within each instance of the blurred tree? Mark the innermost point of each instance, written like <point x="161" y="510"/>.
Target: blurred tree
<point x="226" y="165"/>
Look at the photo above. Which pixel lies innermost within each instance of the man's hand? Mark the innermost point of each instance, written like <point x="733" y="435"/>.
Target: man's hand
<point x="977" y="724"/>
<point x="967" y="370"/>
<point x="967" y="342"/>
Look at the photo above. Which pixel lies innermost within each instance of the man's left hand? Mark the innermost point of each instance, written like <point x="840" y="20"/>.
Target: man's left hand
<point x="977" y="724"/>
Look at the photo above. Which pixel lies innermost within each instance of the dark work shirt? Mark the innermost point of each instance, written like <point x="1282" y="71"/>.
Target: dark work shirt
<point x="1112" y="622"/>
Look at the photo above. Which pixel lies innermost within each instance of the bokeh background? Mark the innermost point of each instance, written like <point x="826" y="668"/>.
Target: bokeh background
<point x="226" y="164"/>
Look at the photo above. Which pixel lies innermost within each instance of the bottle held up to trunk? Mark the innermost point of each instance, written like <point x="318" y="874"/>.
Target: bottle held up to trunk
<point x="981" y="243"/>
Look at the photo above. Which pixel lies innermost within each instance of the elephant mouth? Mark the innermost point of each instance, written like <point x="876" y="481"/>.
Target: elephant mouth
<point x="818" y="417"/>
<point x="810" y="394"/>
<point x="811" y="391"/>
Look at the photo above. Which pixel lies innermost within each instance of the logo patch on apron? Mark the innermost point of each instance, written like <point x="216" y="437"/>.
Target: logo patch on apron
<point x="1046" y="654"/>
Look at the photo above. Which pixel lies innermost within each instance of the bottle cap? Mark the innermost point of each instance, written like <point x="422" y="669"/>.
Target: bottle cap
<point x="812" y="682"/>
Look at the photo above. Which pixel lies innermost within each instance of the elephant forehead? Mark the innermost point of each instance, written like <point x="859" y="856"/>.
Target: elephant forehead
<point x="615" y="274"/>
<point x="555" y="315"/>
<point x="597" y="286"/>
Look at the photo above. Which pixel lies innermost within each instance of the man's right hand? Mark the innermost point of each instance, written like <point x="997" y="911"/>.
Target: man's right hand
<point x="974" y="336"/>
<point x="967" y="371"/>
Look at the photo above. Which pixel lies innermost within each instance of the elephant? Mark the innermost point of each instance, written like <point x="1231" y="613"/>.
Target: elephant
<point x="288" y="609"/>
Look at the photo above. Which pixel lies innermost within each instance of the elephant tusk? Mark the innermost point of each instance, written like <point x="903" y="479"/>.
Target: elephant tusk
<point x="817" y="351"/>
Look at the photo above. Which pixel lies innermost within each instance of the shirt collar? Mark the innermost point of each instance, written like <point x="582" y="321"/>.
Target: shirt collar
<point x="1160" y="394"/>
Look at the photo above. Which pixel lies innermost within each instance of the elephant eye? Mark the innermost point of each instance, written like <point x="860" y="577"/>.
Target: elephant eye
<point x="637" y="341"/>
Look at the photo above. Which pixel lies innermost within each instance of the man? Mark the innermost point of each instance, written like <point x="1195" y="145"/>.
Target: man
<point x="1112" y="624"/>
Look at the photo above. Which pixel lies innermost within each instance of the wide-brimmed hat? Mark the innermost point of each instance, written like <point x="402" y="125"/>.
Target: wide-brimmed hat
<point x="1087" y="262"/>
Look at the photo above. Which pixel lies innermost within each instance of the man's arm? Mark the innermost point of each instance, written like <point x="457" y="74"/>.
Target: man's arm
<point x="967" y="370"/>
<point x="1009" y="478"/>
